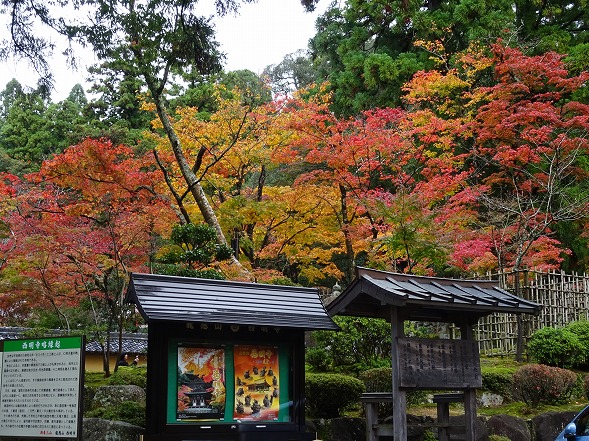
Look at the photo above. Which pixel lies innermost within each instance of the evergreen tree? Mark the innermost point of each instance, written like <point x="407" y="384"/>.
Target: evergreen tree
<point x="368" y="50"/>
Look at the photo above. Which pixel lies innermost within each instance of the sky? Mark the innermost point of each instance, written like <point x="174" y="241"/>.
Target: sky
<point x="261" y="34"/>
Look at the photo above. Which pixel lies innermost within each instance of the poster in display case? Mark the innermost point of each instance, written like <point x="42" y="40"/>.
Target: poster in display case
<point x="201" y="383"/>
<point x="257" y="379"/>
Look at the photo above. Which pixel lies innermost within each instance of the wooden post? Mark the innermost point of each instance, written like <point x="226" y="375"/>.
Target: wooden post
<point x="399" y="396"/>
<point x="443" y="412"/>
<point x="371" y="421"/>
<point x="470" y="414"/>
<point x="470" y="396"/>
<point x="519" y="349"/>
<point x="371" y="400"/>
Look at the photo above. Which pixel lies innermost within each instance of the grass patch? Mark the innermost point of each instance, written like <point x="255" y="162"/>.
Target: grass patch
<point x="500" y="362"/>
<point x="95" y="379"/>
<point x="521" y="410"/>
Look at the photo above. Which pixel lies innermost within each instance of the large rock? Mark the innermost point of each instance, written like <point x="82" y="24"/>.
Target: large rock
<point x="346" y="429"/>
<point x="488" y="399"/>
<point x="547" y="425"/>
<point x="458" y="424"/>
<point x="516" y="429"/>
<point x="417" y="426"/>
<point x="88" y="397"/>
<point x="97" y="429"/>
<point x="113" y="395"/>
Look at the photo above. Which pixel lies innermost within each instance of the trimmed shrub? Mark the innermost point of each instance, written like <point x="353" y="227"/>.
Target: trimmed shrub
<point x="498" y="380"/>
<point x="363" y="343"/>
<point x="581" y="330"/>
<point x="537" y="383"/>
<point x="328" y="395"/>
<point x="129" y="375"/>
<point x="377" y="380"/>
<point x="556" y="347"/>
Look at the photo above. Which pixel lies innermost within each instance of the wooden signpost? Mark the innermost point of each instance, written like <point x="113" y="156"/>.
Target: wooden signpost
<point x="434" y="364"/>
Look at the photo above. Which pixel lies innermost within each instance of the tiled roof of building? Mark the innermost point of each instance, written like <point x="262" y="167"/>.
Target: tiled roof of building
<point x="132" y="343"/>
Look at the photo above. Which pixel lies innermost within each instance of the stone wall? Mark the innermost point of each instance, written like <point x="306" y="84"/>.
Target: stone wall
<point x="97" y="429"/>
<point x="544" y="427"/>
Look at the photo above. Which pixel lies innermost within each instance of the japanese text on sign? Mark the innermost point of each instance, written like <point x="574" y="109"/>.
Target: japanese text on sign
<point x="439" y="363"/>
<point x="40" y="391"/>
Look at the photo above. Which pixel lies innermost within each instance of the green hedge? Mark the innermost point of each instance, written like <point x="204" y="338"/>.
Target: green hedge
<point x="127" y="375"/>
<point x="581" y="330"/>
<point x="328" y="395"/>
<point x="565" y="347"/>
<point x="381" y="380"/>
<point x="498" y="380"/>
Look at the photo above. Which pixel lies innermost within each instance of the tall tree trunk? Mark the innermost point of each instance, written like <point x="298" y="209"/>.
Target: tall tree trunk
<point x="347" y="238"/>
<point x="187" y="173"/>
<point x="191" y="180"/>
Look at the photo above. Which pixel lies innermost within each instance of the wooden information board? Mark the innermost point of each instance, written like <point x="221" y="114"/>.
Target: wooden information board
<point x="439" y="363"/>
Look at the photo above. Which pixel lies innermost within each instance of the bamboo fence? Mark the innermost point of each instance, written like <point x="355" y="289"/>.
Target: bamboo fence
<point x="564" y="299"/>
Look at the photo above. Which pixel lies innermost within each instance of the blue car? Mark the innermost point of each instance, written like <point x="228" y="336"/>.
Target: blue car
<point x="578" y="429"/>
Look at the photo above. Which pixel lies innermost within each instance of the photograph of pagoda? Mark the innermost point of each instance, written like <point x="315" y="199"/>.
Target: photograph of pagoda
<point x="201" y="384"/>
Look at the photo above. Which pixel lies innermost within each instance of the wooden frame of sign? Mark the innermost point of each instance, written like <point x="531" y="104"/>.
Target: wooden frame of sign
<point x="433" y="364"/>
<point x="439" y="364"/>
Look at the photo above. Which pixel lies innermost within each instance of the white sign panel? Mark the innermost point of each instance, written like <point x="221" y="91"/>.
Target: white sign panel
<point x="40" y="392"/>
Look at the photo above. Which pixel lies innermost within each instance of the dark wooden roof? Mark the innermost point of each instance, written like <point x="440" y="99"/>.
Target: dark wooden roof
<point x="425" y="298"/>
<point x="170" y="298"/>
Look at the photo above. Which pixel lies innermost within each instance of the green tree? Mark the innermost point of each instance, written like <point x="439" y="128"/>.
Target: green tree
<point x="203" y="91"/>
<point x="11" y="93"/>
<point x="24" y="134"/>
<point x="254" y="90"/>
<point x="363" y="343"/>
<point x="294" y="72"/>
<point x="77" y="96"/>
<point x="368" y="50"/>
<point x="558" y="25"/>
<point x="192" y="252"/>
<point x="116" y="111"/>
<point x="35" y="129"/>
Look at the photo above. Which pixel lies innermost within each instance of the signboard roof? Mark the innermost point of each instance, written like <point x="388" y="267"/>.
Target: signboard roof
<point x="426" y="298"/>
<point x="172" y="298"/>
